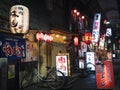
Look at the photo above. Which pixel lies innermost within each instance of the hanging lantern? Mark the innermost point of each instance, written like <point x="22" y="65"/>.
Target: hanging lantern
<point x="39" y="36"/>
<point x="76" y="41"/>
<point x="19" y="19"/>
<point x="88" y="37"/>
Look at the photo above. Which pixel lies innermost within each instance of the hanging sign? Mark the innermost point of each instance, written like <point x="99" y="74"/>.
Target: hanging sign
<point x="19" y="19"/>
<point x="96" y="29"/>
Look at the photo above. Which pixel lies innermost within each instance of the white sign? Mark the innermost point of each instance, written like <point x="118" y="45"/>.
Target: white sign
<point x="102" y="42"/>
<point x="81" y="64"/>
<point x="83" y="48"/>
<point x="108" y="32"/>
<point x="90" y="58"/>
<point x="62" y="64"/>
<point x="96" y="29"/>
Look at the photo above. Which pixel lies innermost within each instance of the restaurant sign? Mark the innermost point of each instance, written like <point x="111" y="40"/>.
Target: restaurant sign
<point x="62" y="64"/>
<point x="12" y="48"/>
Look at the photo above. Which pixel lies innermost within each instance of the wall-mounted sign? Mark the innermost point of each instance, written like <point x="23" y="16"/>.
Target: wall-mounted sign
<point x="19" y="19"/>
<point x="12" y="48"/>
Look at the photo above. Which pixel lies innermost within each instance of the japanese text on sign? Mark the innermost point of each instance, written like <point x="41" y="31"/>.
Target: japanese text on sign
<point x="61" y="64"/>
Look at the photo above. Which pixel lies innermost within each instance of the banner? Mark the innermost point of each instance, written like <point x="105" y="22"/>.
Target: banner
<point x="12" y="47"/>
<point x="104" y="75"/>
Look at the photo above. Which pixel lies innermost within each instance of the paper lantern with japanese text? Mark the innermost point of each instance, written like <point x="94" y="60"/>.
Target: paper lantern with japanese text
<point x="19" y="19"/>
<point x="88" y="37"/>
<point x="76" y="41"/>
<point x="39" y="36"/>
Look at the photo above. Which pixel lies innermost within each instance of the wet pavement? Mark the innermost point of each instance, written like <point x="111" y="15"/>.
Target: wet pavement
<point x="76" y="82"/>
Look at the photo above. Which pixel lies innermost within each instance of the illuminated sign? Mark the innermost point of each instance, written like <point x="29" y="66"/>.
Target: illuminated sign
<point x="96" y="29"/>
<point x="90" y="58"/>
<point x="108" y="32"/>
<point x="62" y="64"/>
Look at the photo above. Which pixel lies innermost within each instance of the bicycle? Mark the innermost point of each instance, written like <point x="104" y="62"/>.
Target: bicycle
<point x="54" y="79"/>
<point x="86" y="67"/>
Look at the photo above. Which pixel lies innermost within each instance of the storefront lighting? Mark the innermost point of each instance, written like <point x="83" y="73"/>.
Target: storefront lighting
<point x="64" y="37"/>
<point x="57" y="35"/>
<point x="19" y="19"/>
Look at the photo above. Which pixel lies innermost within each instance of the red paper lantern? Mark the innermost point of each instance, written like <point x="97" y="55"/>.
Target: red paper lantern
<point x="46" y="37"/>
<point x="76" y="41"/>
<point x="39" y="36"/>
<point x="88" y="37"/>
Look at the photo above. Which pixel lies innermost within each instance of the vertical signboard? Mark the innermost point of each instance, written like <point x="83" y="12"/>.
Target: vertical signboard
<point x="96" y="29"/>
<point x="62" y="64"/>
<point x="90" y="58"/>
<point x="104" y="75"/>
<point x="31" y="51"/>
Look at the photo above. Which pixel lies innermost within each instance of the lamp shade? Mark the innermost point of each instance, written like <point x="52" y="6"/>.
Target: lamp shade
<point x="19" y="19"/>
<point x="39" y="36"/>
<point x="88" y="37"/>
<point x="76" y="41"/>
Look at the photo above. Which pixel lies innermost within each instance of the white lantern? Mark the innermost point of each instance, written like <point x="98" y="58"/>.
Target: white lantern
<point x="19" y="19"/>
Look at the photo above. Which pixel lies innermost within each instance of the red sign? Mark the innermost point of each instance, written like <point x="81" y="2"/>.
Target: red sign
<point x="104" y="75"/>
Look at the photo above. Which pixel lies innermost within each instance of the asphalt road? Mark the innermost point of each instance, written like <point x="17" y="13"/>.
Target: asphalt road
<point x="80" y="83"/>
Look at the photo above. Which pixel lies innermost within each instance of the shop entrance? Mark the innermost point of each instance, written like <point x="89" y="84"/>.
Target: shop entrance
<point x="3" y="73"/>
<point x="13" y="74"/>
